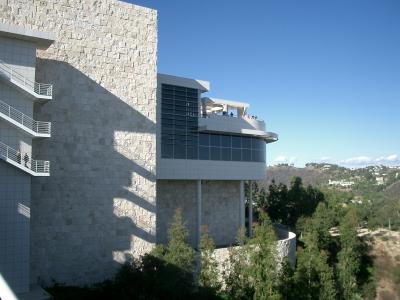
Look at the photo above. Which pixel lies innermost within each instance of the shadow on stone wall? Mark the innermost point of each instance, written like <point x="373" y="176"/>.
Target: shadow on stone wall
<point x="98" y="206"/>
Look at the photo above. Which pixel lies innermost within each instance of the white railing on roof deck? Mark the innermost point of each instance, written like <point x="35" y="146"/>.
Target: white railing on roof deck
<point x="228" y="116"/>
<point x="37" y="166"/>
<point x="21" y="118"/>
<point x="43" y="89"/>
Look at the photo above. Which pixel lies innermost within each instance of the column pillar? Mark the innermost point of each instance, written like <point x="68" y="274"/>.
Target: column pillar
<point x="250" y="208"/>
<point x="199" y="209"/>
<point x="242" y="206"/>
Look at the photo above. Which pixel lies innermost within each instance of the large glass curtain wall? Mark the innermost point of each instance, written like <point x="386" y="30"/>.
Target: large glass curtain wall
<point x="180" y="138"/>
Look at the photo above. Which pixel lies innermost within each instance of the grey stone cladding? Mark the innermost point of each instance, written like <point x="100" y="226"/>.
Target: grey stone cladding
<point x="97" y="208"/>
<point x="220" y="208"/>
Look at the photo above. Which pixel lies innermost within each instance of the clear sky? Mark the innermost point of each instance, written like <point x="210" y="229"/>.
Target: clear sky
<point x="324" y="75"/>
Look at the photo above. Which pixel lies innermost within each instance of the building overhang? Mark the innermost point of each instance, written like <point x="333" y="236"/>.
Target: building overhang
<point x="202" y="85"/>
<point x="186" y="169"/>
<point x="42" y="39"/>
<point x="230" y="103"/>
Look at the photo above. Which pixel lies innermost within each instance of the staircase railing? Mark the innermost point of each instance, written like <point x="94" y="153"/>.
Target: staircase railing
<point x="21" y="118"/>
<point x="43" y="89"/>
<point x="37" y="166"/>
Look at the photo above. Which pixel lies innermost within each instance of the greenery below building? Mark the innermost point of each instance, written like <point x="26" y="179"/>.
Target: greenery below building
<point x="328" y="266"/>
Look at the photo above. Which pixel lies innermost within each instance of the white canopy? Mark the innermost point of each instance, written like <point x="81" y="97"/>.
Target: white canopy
<point x="230" y="103"/>
<point x="214" y="105"/>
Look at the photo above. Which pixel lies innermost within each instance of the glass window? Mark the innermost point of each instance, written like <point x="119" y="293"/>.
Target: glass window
<point x="246" y="142"/>
<point x="180" y="138"/>
<point x="226" y="141"/>
<point x="179" y="152"/>
<point x="204" y="139"/>
<point x="255" y="155"/>
<point x="226" y="154"/>
<point x="236" y="142"/>
<point x="215" y="140"/>
<point x="191" y="153"/>
<point x="215" y="153"/>
<point x="179" y="122"/>
<point x="204" y="153"/>
<point x="236" y="154"/>
<point x="246" y="155"/>
<point x="167" y="151"/>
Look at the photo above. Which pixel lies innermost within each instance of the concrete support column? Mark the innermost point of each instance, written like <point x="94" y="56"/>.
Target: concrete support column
<point x="242" y="206"/>
<point x="250" y="208"/>
<point x="199" y="209"/>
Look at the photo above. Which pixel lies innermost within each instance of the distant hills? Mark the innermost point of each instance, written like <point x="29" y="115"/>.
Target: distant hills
<point x="284" y="174"/>
<point x="323" y="174"/>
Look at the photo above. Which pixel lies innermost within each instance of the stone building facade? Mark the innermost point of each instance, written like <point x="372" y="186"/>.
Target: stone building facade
<point x="220" y="209"/>
<point x="98" y="206"/>
<point x="118" y="173"/>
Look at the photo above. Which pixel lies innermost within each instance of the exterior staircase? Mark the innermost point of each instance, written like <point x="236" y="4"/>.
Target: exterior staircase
<point x="32" y="167"/>
<point x="24" y="122"/>
<point x="42" y="91"/>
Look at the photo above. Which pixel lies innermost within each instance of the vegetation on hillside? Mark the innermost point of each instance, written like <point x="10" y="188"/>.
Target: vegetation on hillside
<point x="328" y="267"/>
<point x="377" y="203"/>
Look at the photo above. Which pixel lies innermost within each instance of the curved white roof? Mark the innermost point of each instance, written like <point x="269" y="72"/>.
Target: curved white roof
<point x="230" y="103"/>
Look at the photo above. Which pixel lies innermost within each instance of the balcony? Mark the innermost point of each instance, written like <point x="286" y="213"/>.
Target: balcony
<point x="43" y="91"/>
<point x="23" y="122"/>
<point x="30" y="166"/>
<point x="225" y="116"/>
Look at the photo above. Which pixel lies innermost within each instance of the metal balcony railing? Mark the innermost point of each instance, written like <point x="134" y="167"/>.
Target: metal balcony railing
<point x="43" y="89"/>
<point x="24" y="120"/>
<point x="37" y="166"/>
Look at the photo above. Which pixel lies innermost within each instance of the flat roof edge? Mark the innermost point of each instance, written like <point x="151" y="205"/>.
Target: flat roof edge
<point x="202" y="85"/>
<point x="42" y="39"/>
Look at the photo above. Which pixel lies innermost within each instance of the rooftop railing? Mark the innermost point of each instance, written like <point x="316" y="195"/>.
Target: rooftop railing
<point x="24" y="120"/>
<point x="213" y="115"/>
<point x="43" y="89"/>
<point x="37" y="166"/>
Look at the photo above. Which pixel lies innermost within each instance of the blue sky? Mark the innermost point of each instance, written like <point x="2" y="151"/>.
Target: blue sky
<point x="324" y="75"/>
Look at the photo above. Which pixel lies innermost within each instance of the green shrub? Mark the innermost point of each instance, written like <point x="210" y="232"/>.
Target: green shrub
<point x="208" y="275"/>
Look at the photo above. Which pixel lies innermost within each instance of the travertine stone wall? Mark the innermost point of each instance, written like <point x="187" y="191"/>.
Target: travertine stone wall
<point x="98" y="206"/>
<point x="221" y="201"/>
<point x="220" y="208"/>
<point x="171" y="195"/>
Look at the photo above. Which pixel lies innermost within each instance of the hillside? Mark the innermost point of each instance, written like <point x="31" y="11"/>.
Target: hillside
<point x="385" y="251"/>
<point x="393" y="190"/>
<point x="284" y="174"/>
<point x="373" y="191"/>
<point x="369" y="179"/>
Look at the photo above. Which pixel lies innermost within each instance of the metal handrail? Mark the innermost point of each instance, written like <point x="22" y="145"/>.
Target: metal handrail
<point x="228" y="117"/>
<point x="44" y="89"/>
<point x="37" y="166"/>
<point x="21" y="118"/>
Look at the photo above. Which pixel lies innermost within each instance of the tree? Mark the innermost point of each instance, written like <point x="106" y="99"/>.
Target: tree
<point x="286" y="206"/>
<point x="168" y="270"/>
<point x="178" y="251"/>
<point x="349" y="255"/>
<point x="313" y="277"/>
<point x="236" y="273"/>
<point x="286" y="281"/>
<point x="276" y="204"/>
<point x="322" y="221"/>
<point x="263" y="261"/>
<point x="208" y="275"/>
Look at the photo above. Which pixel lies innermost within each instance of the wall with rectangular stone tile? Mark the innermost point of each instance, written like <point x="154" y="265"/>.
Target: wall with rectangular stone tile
<point x="98" y="207"/>
<point x="220" y="208"/>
